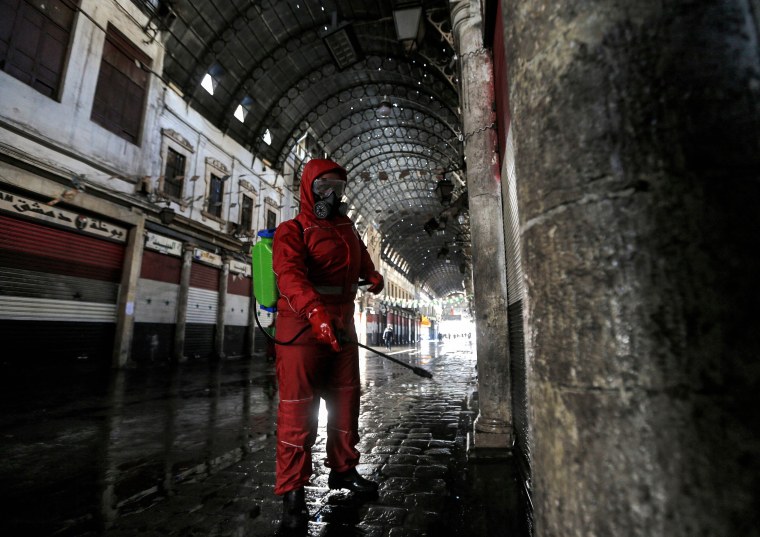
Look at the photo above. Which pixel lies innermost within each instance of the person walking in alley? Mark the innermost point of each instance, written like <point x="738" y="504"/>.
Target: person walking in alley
<point x="318" y="259"/>
<point x="388" y="336"/>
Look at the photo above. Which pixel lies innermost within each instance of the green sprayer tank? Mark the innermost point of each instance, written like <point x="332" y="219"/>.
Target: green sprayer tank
<point x="264" y="283"/>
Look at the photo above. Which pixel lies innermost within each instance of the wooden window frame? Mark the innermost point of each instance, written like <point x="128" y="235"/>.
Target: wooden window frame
<point x="214" y="168"/>
<point x="276" y="218"/>
<point x="176" y="142"/>
<point x="53" y="30"/>
<point x="177" y="181"/>
<point x="243" y="229"/>
<point x="215" y="205"/>
<point x="113" y="82"/>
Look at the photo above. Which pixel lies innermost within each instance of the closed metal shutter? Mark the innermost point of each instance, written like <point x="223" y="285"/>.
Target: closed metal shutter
<point x="58" y="292"/>
<point x="239" y="289"/>
<point x="202" y="305"/>
<point x="262" y="345"/>
<point x="512" y="231"/>
<point x="156" y="307"/>
<point x="518" y="363"/>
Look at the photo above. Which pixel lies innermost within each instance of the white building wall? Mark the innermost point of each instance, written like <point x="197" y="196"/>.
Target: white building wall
<point x="58" y="135"/>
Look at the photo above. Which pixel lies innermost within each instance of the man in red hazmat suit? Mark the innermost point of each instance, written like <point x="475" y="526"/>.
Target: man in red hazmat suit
<point x="318" y="259"/>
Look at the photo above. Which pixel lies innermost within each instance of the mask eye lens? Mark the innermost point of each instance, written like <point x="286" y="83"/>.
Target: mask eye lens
<point x="325" y="187"/>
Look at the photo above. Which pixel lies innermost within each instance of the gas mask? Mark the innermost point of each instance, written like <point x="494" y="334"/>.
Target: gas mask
<point x="329" y="207"/>
<point x="328" y="193"/>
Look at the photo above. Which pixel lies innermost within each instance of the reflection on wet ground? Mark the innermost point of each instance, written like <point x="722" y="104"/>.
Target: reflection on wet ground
<point x="189" y="450"/>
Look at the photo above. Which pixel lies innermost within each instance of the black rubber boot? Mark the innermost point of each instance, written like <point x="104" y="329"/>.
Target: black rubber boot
<point x="295" y="515"/>
<point x="351" y="480"/>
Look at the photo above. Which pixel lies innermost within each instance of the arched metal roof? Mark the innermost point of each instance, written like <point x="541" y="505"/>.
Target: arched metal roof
<point x="322" y="68"/>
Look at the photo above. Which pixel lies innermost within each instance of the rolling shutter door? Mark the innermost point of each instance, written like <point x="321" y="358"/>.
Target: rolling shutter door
<point x="202" y="305"/>
<point x="156" y="307"/>
<point x="239" y="289"/>
<point x="58" y="292"/>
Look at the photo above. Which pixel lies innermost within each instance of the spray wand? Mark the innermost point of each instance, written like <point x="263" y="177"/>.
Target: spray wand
<point x="416" y="370"/>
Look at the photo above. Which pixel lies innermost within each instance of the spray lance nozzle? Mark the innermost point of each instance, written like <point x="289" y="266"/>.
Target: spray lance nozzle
<point x="341" y="335"/>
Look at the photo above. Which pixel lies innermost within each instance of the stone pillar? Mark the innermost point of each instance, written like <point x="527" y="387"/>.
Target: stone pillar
<point x="182" y="300"/>
<point x="221" y="308"/>
<point x="493" y="426"/>
<point x="125" y="305"/>
<point x="636" y="125"/>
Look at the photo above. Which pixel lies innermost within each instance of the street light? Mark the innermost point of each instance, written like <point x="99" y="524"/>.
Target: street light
<point x="167" y="215"/>
<point x="407" y="17"/>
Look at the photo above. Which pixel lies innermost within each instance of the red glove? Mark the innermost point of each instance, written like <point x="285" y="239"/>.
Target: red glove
<point x="376" y="282"/>
<point x="325" y="326"/>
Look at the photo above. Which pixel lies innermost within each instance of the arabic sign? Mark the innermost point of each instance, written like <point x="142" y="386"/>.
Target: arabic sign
<point x="207" y="257"/>
<point x="165" y="245"/>
<point x="41" y="211"/>
<point x="238" y="267"/>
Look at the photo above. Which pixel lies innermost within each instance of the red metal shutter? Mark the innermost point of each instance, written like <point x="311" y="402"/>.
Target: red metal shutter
<point x="501" y="86"/>
<point x="161" y="267"/>
<point x="239" y="285"/>
<point x="59" y="291"/>
<point x="204" y="277"/>
<point x="42" y="248"/>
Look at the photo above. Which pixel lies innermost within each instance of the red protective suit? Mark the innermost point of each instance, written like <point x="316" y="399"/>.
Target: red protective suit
<point x="316" y="263"/>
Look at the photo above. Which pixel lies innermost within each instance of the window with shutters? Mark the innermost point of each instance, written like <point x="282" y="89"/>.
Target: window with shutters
<point x="122" y="87"/>
<point x="215" y="196"/>
<point x="246" y="214"/>
<point x="271" y="219"/>
<point x="176" y="156"/>
<point x="34" y="40"/>
<point x="217" y="174"/>
<point x="174" y="174"/>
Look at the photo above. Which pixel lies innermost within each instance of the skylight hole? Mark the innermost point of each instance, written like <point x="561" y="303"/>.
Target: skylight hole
<point x="208" y="83"/>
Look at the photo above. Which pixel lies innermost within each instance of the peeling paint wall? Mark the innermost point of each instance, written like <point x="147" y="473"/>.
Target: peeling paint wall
<point x="58" y="135"/>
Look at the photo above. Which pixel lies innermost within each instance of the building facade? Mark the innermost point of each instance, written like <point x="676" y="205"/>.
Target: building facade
<point x="126" y="217"/>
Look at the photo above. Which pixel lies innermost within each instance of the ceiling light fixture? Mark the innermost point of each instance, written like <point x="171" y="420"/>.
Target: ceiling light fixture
<point x="385" y="109"/>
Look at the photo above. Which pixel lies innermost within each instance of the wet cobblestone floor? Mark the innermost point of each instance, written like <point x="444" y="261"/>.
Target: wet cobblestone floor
<point x="189" y="451"/>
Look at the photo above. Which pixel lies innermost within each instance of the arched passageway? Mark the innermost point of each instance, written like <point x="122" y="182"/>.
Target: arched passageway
<point x="577" y="179"/>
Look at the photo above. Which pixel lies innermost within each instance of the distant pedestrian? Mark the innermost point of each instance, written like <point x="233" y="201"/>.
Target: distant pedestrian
<point x="388" y="336"/>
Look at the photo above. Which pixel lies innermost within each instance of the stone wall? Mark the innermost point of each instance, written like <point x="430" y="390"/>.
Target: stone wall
<point x="636" y="126"/>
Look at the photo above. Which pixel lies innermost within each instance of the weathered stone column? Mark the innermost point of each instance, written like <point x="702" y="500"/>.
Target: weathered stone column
<point x="182" y="300"/>
<point x="221" y="309"/>
<point x="493" y="426"/>
<point x="125" y="306"/>
<point x="637" y="128"/>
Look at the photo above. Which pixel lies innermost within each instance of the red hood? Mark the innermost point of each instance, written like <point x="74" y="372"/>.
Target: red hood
<point x="313" y="169"/>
